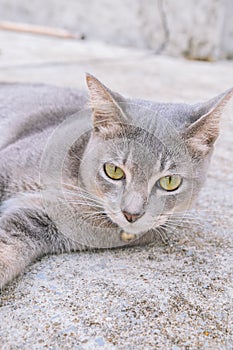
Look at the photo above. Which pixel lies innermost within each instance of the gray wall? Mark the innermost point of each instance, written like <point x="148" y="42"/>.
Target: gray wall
<point x="201" y="29"/>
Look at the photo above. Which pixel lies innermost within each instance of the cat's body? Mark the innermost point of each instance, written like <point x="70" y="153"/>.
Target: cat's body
<point x="56" y="192"/>
<point x="28" y="114"/>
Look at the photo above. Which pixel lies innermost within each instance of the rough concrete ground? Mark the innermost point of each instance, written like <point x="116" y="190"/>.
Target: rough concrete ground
<point x="175" y="295"/>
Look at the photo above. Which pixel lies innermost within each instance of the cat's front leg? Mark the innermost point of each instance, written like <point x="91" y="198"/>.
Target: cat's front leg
<point x="15" y="255"/>
<point x="25" y="235"/>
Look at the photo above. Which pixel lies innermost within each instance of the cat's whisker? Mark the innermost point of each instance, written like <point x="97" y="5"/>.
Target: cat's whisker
<point x="93" y="214"/>
<point x="175" y="222"/>
<point x="83" y="203"/>
<point x="180" y="222"/>
<point x="77" y="196"/>
<point x="172" y="230"/>
<point x="163" y="234"/>
<point x="85" y="195"/>
<point x="178" y="216"/>
<point x="89" y="204"/>
<point x="81" y="194"/>
<point x="169" y="226"/>
<point x="193" y="211"/>
<point x="182" y="216"/>
<point x="79" y="189"/>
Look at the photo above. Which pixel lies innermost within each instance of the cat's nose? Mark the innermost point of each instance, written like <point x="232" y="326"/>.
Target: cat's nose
<point x="131" y="217"/>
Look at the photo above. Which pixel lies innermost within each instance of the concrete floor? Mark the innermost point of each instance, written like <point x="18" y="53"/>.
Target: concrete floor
<point x="174" y="296"/>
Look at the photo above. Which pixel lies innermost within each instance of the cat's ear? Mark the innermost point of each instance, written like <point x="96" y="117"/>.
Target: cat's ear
<point x="108" y="116"/>
<point x="204" y="129"/>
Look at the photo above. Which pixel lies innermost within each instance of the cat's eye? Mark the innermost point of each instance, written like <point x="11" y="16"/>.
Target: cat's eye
<point x="170" y="182"/>
<point x="114" y="172"/>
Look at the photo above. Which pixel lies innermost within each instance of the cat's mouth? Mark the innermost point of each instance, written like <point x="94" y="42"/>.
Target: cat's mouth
<point x="125" y="236"/>
<point x="129" y="230"/>
<point x="132" y="231"/>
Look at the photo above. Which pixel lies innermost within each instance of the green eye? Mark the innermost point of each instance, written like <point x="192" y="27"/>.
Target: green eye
<point x="170" y="182"/>
<point x="113" y="171"/>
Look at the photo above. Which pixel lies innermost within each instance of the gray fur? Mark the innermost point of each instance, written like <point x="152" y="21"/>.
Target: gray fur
<point x="51" y="203"/>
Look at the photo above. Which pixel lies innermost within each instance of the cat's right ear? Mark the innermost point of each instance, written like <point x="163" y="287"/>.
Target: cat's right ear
<point x="108" y="117"/>
<point x="201" y="135"/>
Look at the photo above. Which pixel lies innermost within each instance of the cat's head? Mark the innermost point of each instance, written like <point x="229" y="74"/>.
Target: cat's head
<point x="147" y="161"/>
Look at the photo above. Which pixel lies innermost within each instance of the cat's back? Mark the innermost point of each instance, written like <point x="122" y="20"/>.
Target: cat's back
<point x="29" y="108"/>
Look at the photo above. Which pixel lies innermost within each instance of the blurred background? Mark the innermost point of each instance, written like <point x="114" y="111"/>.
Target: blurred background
<point x="199" y="29"/>
<point x="151" y="41"/>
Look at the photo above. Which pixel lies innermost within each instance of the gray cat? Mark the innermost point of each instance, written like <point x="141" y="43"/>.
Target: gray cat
<point x="73" y="177"/>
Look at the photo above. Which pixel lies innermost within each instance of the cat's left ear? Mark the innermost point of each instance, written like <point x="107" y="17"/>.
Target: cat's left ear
<point x="108" y="116"/>
<point x="204" y="129"/>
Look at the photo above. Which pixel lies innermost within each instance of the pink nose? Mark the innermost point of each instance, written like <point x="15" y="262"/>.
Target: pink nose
<point x="131" y="217"/>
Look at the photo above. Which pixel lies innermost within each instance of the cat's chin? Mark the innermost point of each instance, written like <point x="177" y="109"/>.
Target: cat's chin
<point x="138" y="228"/>
<point x="135" y="230"/>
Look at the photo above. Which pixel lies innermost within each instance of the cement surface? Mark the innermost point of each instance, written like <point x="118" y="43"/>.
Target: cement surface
<point x="196" y="28"/>
<point x="169" y="295"/>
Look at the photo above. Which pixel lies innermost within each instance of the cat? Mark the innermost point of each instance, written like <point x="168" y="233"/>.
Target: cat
<point x="79" y="172"/>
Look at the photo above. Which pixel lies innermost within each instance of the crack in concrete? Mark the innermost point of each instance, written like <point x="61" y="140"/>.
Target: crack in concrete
<point x="164" y="21"/>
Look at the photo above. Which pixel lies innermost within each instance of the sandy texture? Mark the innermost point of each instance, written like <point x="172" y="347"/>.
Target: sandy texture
<point x="175" y="294"/>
